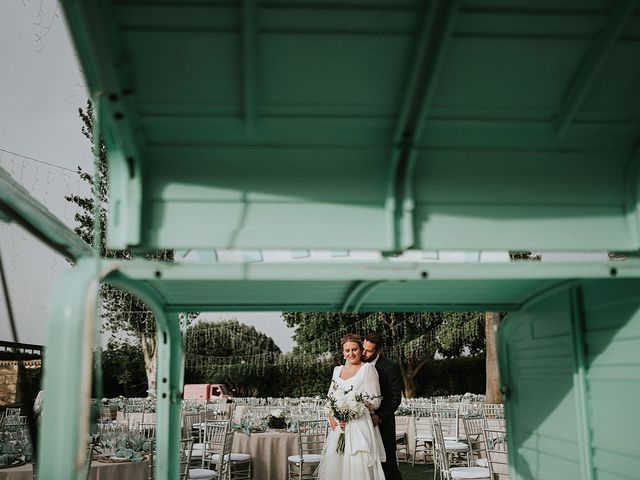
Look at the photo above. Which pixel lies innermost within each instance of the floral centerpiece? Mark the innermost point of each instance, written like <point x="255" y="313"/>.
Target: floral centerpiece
<point x="14" y="451"/>
<point x="124" y="443"/>
<point x="344" y="406"/>
<point x="276" y="419"/>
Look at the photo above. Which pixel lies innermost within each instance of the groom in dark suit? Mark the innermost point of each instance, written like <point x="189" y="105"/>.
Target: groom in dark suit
<point x="391" y="390"/>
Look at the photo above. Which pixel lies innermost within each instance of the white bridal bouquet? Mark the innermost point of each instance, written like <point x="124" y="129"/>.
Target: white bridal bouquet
<point x="344" y="406"/>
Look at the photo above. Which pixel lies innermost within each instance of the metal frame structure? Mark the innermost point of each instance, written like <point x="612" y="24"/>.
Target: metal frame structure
<point x="385" y="125"/>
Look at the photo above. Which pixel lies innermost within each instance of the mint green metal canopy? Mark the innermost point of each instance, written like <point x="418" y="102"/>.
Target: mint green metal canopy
<point x="369" y="124"/>
<point x="380" y="125"/>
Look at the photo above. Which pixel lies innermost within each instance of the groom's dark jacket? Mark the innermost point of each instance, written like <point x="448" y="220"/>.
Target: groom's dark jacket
<point x="390" y="389"/>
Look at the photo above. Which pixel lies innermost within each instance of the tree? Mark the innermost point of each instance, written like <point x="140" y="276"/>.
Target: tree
<point x="301" y="375"/>
<point x="123" y="370"/>
<point x="492" y="323"/>
<point x="492" y="390"/>
<point x="122" y="312"/>
<point x="519" y="255"/>
<point x="411" y="339"/>
<point x="232" y="353"/>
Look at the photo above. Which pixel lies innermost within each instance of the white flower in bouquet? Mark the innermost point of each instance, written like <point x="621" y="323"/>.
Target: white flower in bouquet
<point x="345" y="406"/>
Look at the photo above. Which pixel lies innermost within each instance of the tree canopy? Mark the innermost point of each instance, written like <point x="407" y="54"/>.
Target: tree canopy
<point x="233" y="353"/>
<point x="123" y="370"/>
<point x="411" y="339"/>
<point x="229" y="339"/>
<point x="122" y="312"/>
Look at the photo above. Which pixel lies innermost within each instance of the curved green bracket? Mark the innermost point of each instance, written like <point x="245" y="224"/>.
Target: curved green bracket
<point x="68" y="365"/>
<point x="358" y="295"/>
<point x="67" y="373"/>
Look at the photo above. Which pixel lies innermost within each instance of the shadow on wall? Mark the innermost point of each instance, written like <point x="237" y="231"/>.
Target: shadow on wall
<point x="555" y="431"/>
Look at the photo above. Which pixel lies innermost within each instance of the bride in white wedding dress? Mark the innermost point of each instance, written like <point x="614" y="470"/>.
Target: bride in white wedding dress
<point x="363" y="448"/>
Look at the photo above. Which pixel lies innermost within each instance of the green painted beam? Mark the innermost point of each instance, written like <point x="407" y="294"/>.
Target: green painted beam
<point x="110" y="82"/>
<point x="17" y="205"/>
<point x="375" y="271"/>
<point x="631" y="188"/>
<point x="430" y="50"/>
<point x="249" y="62"/>
<point x="594" y="63"/>
<point x="358" y="286"/>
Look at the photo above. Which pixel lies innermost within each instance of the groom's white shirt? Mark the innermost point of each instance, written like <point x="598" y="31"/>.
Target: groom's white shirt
<point x="373" y="362"/>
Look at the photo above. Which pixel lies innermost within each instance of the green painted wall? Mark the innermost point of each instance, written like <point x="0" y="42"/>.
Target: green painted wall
<point x="570" y="362"/>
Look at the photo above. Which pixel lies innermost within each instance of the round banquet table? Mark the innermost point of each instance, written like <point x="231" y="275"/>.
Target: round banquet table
<point x="99" y="471"/>
<point x="269" y="451"/>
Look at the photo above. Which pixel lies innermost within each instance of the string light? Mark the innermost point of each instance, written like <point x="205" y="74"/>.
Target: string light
<point x="42" y="180"/>
<point x="401" y="350"/>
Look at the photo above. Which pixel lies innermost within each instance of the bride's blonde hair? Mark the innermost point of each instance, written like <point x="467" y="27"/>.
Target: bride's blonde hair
<point x="351" y="337"/>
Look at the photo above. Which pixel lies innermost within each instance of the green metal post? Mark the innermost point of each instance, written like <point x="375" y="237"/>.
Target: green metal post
<point x="67" y="374"/>
<point x="502" y="354"/>
<point x="169" y="389"/>
<point x="580" y="385"/>
<point x="169" y="376"/>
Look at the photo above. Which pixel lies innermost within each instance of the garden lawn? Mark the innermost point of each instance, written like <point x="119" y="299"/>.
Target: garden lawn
<point x="417" y="472"/>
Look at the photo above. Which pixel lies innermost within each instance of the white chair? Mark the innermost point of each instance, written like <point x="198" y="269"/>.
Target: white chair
<point x="216" y="410"/>
<point x="457" y="450"/>
<point x="402" y="447"/>
<point x="105" y="414"/>
<point x="146" y="431"/>
<point x="497" y="453"/>
<point x="185" y="458"/>
<point x="423" y="440"/>
<point x="135" y="413"/>
<point x="218" y="441"/>
<point x="240" y="463"/>
<point x="193" y="426"/>
<point x="16" y="425"/>
<point x="211" y="441"/>
<point x="449" y="421"/>
<point x="474" y="424"/>
<point x="494" y="413"/>
<point x="12" y="412"/>
<point x="443" y="467"/>
<point x="311" y="437"/>
<point x="241" y="466"/>
<point x="15" y="420"/>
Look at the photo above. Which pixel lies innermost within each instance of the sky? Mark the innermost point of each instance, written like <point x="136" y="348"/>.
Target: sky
<point x="41" y="145"/>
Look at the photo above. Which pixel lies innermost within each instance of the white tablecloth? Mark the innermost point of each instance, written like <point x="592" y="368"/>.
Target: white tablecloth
<point x="99" y="471"/>
<point x="269" y="452"/>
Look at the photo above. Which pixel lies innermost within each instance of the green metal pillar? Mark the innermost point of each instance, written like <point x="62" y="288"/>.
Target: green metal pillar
<point x="580" y="385"/>
<point x="169" y="377"/>
<point x="67" y="374"/>
<point x="169" y="390"/>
